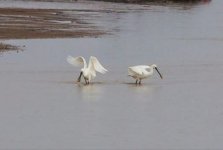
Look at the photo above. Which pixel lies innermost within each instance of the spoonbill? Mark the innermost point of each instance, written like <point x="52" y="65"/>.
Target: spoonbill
<point x="88" y="72"/>
<point x="142" y="71"/>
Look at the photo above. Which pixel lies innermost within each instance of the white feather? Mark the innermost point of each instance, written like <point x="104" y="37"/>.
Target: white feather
<point x="95" y="65"/>
<point x="77" y="61"/>
<point x="138" y="70"/>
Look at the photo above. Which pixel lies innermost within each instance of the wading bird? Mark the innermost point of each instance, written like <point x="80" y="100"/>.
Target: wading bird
<point x="88" y="72"/>
<point x="142" y="71"/>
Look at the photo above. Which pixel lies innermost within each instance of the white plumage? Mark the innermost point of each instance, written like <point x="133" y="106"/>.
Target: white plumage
<point x="88" y="71"/>
<point x="142" y="71"/>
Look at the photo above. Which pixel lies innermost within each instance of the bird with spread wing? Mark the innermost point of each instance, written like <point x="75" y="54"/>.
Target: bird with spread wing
<point x="88" y="71"/>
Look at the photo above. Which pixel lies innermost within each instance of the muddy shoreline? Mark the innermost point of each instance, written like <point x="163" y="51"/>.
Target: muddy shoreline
<point x="20" y="23"/>
<point x="8" y="47"/>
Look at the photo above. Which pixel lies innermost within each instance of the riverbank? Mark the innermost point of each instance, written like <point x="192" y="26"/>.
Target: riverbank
<point x="8" y="47"/>
<point x="159" y="1"/>
<point x="20" y="23"/>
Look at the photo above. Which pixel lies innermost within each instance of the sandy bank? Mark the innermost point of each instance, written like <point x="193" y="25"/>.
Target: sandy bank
<point x="19" y="23"/>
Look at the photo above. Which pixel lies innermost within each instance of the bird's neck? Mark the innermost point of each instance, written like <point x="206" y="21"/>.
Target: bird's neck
<point x="85" y="64"/>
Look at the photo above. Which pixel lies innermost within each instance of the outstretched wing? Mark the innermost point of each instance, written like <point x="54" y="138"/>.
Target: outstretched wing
<point x="95" y="65"/>
<point x="77" y="61"/>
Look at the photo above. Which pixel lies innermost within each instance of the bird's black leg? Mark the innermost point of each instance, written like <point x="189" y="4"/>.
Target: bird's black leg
<point x="85" y="79"/>
<point x="79" y="78"/>
<point x="136" y="81"/>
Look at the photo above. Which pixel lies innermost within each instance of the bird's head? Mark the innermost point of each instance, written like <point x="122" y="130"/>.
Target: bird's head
<point x="154" y="66"/>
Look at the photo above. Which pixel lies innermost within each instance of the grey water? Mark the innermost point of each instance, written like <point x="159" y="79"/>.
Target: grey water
<point x="41" y="106"/>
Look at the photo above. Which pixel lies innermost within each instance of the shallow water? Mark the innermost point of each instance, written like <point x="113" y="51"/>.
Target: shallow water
<point x="42" y="107"/>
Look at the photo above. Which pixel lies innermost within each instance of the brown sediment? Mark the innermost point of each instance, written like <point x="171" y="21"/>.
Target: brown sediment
<point x="19" y="23"/>
<point x="7" y="47"/>
<point x="160" y="1"/>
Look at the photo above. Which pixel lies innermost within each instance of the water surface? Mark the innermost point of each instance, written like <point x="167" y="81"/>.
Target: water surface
<point x="41" y="107"/>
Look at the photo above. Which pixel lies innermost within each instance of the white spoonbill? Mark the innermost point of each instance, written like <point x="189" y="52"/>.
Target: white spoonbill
<point x="142" y="71"/>
<point x="88" y="72"/>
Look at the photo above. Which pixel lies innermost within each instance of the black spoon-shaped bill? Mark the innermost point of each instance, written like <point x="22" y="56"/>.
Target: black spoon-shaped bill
<point x="159" y="73"/>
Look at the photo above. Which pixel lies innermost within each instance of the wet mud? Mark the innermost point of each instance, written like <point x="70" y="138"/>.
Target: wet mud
<point x="20" y="23"/>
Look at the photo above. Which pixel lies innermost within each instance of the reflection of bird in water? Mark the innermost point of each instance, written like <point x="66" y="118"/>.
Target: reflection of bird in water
<point x="92" y="92"/>
<point x="142" y="71"/>
<point x="88" y="72"/>
<point x="143" y="89"/>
